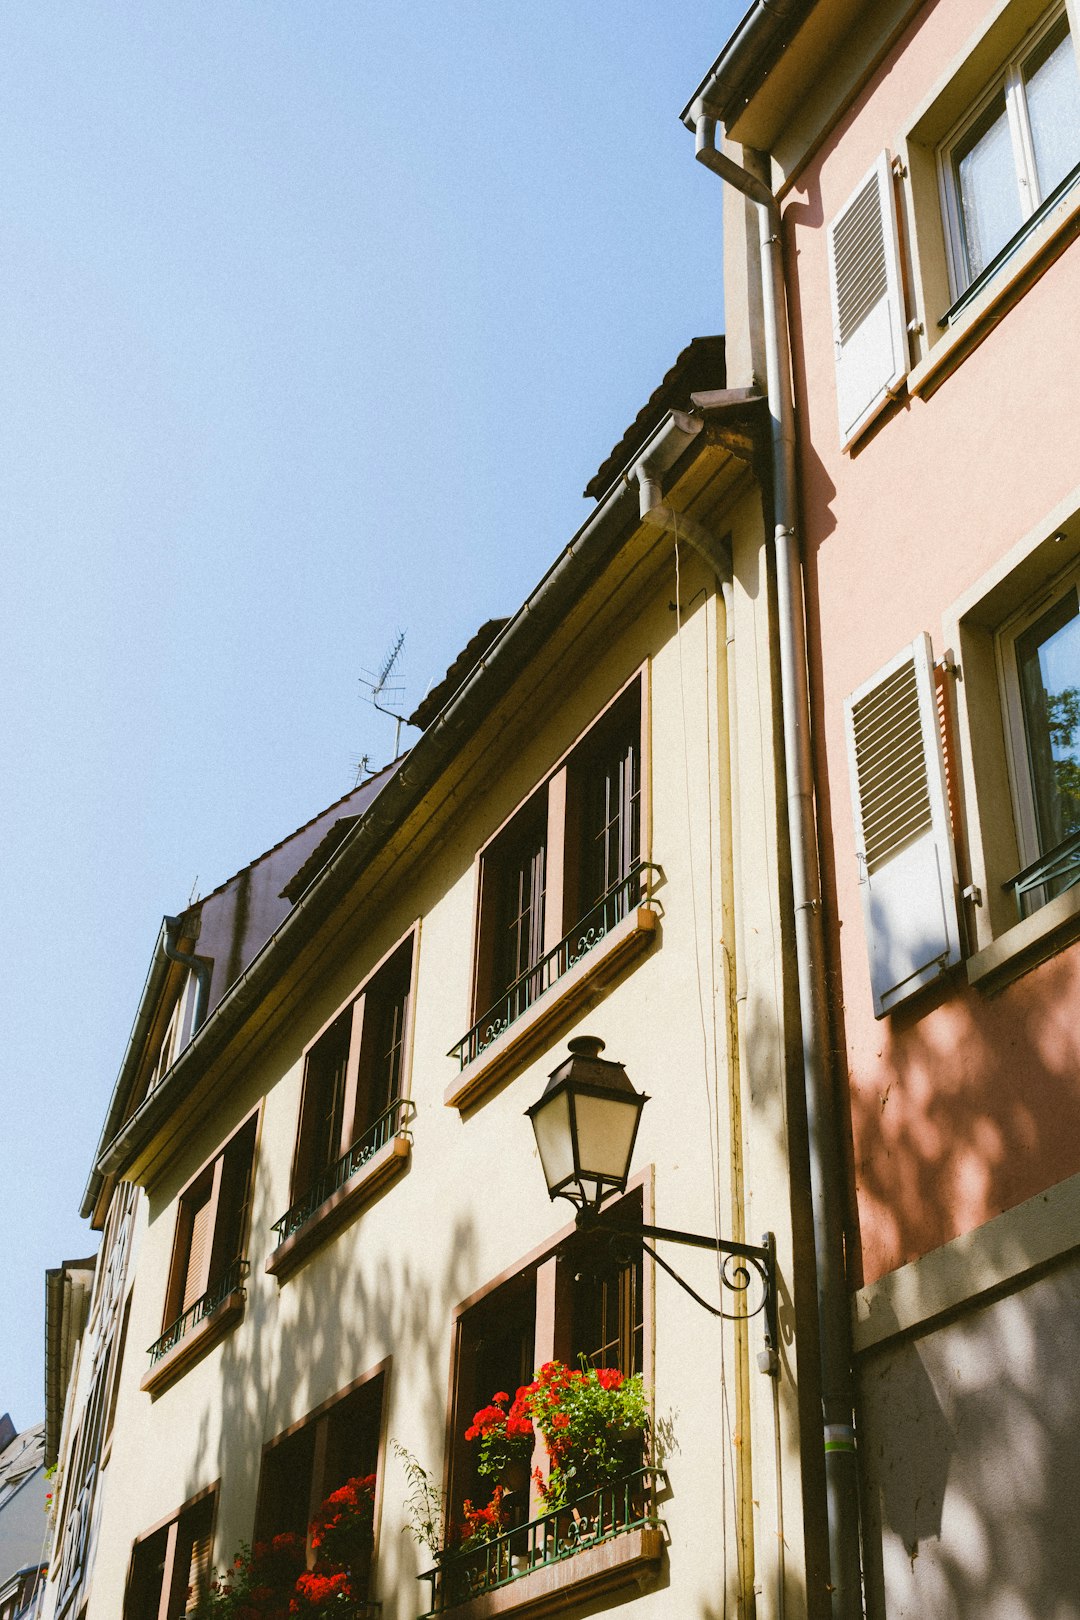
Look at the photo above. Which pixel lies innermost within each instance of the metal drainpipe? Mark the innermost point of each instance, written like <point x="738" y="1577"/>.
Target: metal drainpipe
<point x="198" y="965"/>
<point x="837" y="1394"/>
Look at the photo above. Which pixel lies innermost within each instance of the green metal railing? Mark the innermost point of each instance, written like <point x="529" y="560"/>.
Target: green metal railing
<point x="625" y="1504"/>
<point x="1054" y="872"/>
<point x="204" y="1306"/>
<point x="609" y="910"/>
<point x="392" y="1123"/>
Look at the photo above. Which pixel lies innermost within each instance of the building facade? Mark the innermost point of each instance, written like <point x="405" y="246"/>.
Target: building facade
<point x="343" y="1243"/>
<point x="926" y="165"/>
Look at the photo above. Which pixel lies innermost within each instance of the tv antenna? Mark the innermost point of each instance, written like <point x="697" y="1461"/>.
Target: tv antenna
<point x="380" y="686"/>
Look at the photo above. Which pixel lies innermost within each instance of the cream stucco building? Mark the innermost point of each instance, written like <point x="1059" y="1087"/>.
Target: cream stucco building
<point x="323" y="1208"/>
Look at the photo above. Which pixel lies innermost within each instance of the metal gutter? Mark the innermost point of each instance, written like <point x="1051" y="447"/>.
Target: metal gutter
<point x="757" y="43"/>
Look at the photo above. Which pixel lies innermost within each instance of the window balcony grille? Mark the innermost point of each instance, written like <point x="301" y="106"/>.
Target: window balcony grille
<point x="394" y="1122"/>
<point x="230" y="1283"/>
<point x="617" y="1509"/>
<point x="613" y="906"/>
<point x="1046" y="878"/>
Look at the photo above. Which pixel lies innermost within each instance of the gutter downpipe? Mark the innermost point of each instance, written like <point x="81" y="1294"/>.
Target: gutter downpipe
<point x="198" y="965"/>
<point x="837" y="1393"/>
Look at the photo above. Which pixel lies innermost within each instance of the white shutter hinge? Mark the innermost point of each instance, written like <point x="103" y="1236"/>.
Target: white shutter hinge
<point x="973" y="894"/>
<point x="899" y="168"/>
<point x="948" y="666"/>
<point x="915" y="328"/>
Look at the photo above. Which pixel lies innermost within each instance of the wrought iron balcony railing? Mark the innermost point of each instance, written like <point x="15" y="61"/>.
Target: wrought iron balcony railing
<point x="1054" y="872"/>
<point x="624" y="1505"/>
<point x="536" y="981"/>
<point x="204" y="1306"/>
<point x="394" y="1122"/>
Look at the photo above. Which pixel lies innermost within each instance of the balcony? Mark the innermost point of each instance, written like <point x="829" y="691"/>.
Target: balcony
<point x="621" y="925"/>
<point x="374" y="1160"/>
<point x="202" y="1325"/>
<point x="609" y="1539"/>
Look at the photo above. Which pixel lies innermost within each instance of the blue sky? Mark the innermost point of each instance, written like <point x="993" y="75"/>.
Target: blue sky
<point x="315" y="319"/>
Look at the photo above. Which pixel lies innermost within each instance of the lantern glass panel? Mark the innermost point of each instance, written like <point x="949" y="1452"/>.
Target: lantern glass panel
<point x="605" y="1135"/>
<point x="551" y="1125"/>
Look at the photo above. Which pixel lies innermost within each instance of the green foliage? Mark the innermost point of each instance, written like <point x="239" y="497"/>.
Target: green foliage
<point x="425" y="1503"/>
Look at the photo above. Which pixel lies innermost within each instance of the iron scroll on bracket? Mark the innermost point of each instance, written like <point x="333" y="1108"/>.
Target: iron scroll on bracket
<point x="746" y="1269"/>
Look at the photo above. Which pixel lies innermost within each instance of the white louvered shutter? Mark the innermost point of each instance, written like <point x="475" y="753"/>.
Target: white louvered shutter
<point x="907" y="866"/>
<point x="865" y="285"/>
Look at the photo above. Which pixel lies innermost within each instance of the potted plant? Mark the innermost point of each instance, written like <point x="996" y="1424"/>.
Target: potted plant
<point x="504" y="1431"/>
<point x="593" y="1423"/>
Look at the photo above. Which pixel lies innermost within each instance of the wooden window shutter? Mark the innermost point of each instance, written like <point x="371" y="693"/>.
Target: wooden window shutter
<point x="866" y="289"/>
<point x="907" y="866"/>
<point x="201" y="1238"/>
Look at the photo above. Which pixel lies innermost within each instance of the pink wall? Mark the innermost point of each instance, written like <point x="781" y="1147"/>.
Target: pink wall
<point x="961" y="1105"/>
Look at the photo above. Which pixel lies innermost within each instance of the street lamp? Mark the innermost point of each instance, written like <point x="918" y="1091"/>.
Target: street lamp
<point x="586" y="1124"/>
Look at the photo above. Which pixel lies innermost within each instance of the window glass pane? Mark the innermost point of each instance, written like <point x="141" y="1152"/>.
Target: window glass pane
<point x="1048" y="663"/>
<point x="987" y="187"/>
<point x="1052" y="87"/>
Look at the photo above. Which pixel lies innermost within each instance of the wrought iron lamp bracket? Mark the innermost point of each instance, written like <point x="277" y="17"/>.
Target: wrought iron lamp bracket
<point x="744" y="1266"/>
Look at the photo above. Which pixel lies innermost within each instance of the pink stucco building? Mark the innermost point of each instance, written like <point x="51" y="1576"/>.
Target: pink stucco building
<point x="926" y="162"/>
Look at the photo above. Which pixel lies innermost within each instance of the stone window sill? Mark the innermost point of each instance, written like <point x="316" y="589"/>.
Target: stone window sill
<point x="629" y="939"/>
<point x="1027" y="943"/>
<point x="195" y="1344"/>
<point x="391" y="1161"/>
<point x="631" y="1559"/>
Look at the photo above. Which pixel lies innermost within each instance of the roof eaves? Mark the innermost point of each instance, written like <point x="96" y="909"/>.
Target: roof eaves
<point x="748" y="57"/>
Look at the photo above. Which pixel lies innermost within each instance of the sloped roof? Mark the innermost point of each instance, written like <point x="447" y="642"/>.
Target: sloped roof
<point x="701" y="365"/>
<point x="456" y="676"/>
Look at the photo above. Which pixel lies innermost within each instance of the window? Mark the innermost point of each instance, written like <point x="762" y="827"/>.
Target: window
<point x="170" y="1565"/>
<point x="560" y="875"/>
<point x="339" y="1441"/>
<point x="586" y="1300"/>
<point x="1012" y="152"/>
<point x="1040" y="670"/>
<point x="353" y="1114"/>
<point x="205" y="1289"/>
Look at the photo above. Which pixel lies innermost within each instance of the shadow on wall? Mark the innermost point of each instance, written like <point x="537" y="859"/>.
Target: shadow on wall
<point x="961" y="1116"/>
<point x="970" y="1462"/>
<point x="393" y="1311"/>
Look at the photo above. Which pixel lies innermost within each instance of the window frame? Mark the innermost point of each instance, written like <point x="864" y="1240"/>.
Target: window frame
<point x="1008" y="81"/>
<point x="1057" y="587"/>
<point x="205" y="1333"/>
<point x="552" y="1330"/>
<point x="317" y="1486"/>
<point x="192" y="1505"/>
<point x="628" y="935"/>
<point x="390" y="1159"/>
<point x="1000" y="603"/>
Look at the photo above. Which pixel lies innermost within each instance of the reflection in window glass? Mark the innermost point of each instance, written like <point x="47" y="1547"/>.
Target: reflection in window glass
<point x="1048" y="664"/>
<point x="1052" y="89"/>
<point x="986" y="182"/>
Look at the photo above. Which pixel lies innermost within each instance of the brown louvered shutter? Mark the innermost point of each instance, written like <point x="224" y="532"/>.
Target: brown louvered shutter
<point x="907" y="867"/>
<point x="867" y="301"/>
<point x="201" y="1235"/>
